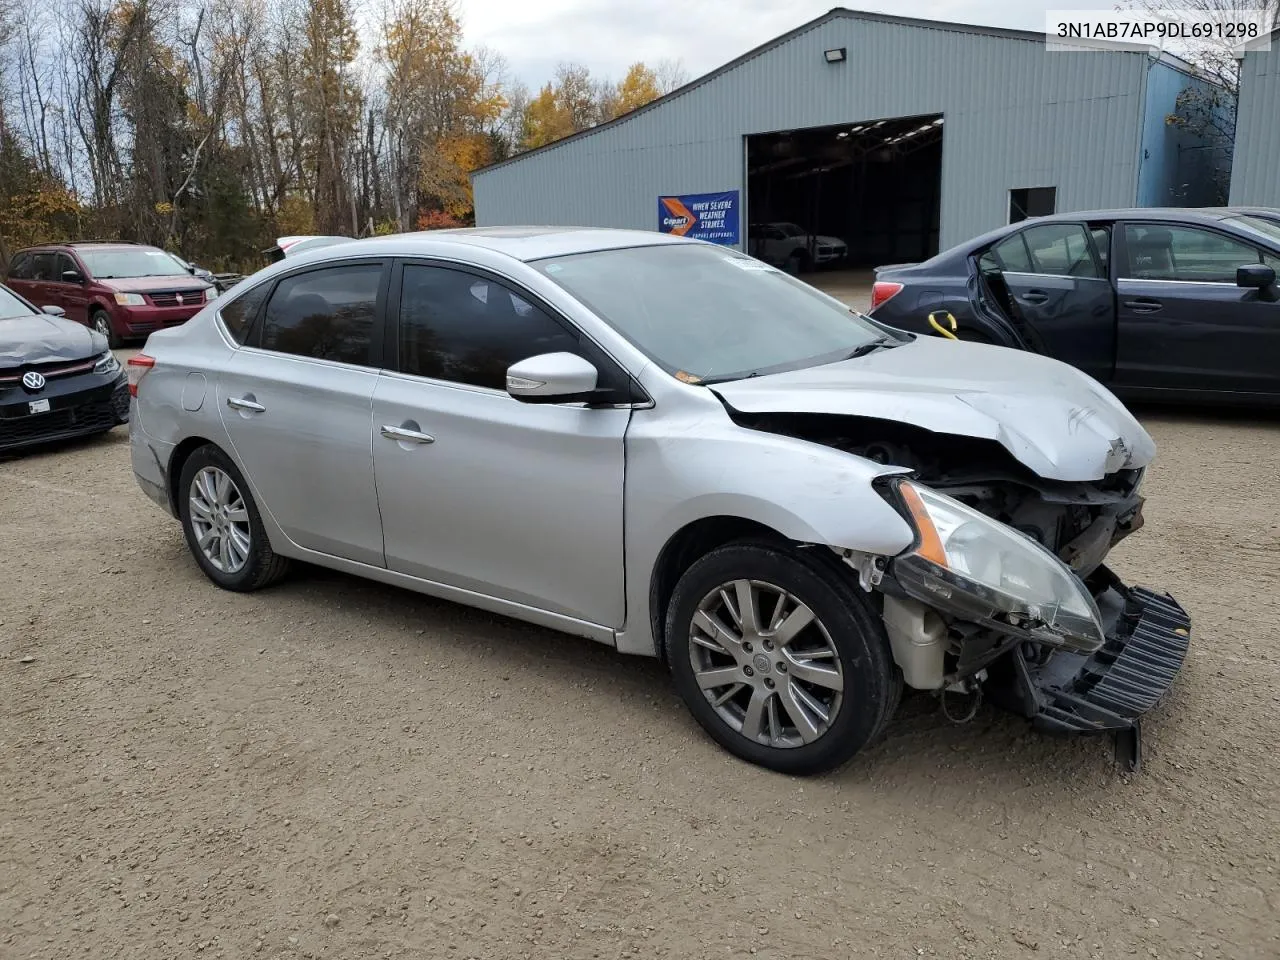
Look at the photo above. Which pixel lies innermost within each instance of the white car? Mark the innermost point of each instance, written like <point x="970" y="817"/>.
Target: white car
<point x="789" y="246"/>
<point x="674" y="449"/>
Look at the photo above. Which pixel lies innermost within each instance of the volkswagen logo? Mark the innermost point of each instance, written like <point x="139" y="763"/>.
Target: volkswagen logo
<point x="33" y="381"/>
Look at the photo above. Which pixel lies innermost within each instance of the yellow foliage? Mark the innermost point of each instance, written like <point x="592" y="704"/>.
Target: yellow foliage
<point x="638" y="87"/>
<point x="546" y="119"/>
<point x="295" y="217"/>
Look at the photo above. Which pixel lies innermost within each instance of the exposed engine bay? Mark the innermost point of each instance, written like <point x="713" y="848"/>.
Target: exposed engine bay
<point x="1080" y="522"/>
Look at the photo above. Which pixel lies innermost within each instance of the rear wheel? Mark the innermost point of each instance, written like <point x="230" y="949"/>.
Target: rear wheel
<point x="222" y="525"/>
<point x="101" y="322"/>
<point x="797" y="263"/>
<point x="779" y="658"/>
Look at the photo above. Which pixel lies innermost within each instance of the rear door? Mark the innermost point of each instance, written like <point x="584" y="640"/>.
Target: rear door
<point x="297" y="405"/>
<point x="1184" y="323"/>
<point x="1059" y="289"/>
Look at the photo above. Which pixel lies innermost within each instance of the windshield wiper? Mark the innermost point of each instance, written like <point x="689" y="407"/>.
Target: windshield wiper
<point x="866" y="348"/>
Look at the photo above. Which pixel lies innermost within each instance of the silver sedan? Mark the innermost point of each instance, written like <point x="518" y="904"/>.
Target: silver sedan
<point x="674" y="449"/>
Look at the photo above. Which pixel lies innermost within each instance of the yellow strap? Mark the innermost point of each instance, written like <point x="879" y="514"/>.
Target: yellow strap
<point x="933" y="322"/>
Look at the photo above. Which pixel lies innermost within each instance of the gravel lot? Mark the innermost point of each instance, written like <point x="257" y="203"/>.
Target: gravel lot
<point x="334" y="768"/>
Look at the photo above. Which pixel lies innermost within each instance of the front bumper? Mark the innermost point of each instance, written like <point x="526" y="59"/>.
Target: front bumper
<point x="1148" y="634"/>
<point x="136" y="321"/>
<point x="78" y="406"/>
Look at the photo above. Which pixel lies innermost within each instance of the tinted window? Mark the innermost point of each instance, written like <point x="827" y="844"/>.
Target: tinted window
<point x="44" y="266"/>
<point x="1061" y="250"/>
<point x="21" y="267"/>
<point x="65" y="264"/>
<point x="1011" y="254"/>
<point x="1159" y="252"/>
<point x="238" y="315"/>
<point x="468" y="329"/>
<point x="327" y="314"/>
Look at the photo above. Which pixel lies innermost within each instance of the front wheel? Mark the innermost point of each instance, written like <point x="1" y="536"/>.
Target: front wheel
<point x="102" y="323"/>
<point x="779" y="658"/>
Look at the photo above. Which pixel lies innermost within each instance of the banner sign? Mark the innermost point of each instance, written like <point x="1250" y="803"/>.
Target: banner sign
<point x="701" y="216"/>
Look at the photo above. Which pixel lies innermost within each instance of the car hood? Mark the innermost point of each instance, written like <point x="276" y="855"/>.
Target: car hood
<point x="831" y="241"/>
<point x="181" y="281"/>
<point x="45" y="338"/>
<point x="1054" y="419"/>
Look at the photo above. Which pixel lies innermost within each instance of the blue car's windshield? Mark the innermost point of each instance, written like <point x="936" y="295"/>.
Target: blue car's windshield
<point x="707" y="313"/>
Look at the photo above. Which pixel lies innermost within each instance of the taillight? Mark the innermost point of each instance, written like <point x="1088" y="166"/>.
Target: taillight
<point x="882" y="290"/>
<point x="139" y="367"/>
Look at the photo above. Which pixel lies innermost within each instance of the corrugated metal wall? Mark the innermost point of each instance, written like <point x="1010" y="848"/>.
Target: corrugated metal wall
<point x="1015" y="116"/>
<point x="1255" y="170"/>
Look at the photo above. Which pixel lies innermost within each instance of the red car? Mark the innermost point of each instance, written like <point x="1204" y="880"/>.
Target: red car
<point x="122" y="290"/>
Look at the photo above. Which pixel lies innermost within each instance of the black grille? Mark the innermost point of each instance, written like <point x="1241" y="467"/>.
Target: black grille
<point x="1129" y="675"/>
<point x="169" y="298"/>
<point x="85" y="418"/>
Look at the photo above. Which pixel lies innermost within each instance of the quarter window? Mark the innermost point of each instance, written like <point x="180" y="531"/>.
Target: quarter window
<point x="21" y="268"/>
<point x="327" y="314"/>
<point x="238" y="315"/>
<point x="1159" y="252"/>
<point x="469" y="329"/>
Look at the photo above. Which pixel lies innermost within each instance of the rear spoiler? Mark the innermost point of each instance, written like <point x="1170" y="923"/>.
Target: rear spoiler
<point x="292" y="246"/>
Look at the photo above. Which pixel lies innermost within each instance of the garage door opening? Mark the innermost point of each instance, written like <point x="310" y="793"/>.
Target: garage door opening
<point x="846" y="196"/>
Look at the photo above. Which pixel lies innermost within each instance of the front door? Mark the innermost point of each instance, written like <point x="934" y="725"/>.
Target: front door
<point x="71" y="294"/>
<point x="1059" y="288"/>
<point x="481" y="491"/>
<point x="1184" y="323"/>
<point x="296" y="403"/>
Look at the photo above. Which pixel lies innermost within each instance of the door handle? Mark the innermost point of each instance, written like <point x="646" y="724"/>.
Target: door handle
<point x="1143" y="305"/>
<point x="242" y="403"/>
<point x="405" y="435"/>
<point x="1035" y="296"/>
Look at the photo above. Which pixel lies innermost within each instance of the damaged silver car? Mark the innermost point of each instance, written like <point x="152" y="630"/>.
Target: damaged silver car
<point x="677" y="450"/>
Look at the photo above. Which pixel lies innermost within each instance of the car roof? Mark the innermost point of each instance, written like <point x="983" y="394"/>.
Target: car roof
<point x="520" y="243"/>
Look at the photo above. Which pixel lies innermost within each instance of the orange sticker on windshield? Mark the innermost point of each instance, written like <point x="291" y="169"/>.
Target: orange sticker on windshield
<point x="687" y="377"/>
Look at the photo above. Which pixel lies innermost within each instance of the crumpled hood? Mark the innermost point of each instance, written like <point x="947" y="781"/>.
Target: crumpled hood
<point x="1054" y="419"/>
<point x="43" y="338"/>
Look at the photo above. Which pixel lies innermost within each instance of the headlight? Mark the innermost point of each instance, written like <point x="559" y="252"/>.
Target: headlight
<point x="107" y="363"/>
<point x="130" y="300"/>
<point x="978" y="568"/>
<point x="211" y="294"/>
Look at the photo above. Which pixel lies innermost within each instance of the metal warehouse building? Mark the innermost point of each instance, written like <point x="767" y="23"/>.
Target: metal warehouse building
<point x="1255" y="172"/>
<point x="897" y="135"/>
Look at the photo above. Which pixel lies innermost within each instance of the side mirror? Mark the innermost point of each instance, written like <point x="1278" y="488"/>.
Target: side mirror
<point x="551" y="378"/>
<point x="1257" y="276"/>
<point x="72" y="276"/>
<point x="54" y="311"/>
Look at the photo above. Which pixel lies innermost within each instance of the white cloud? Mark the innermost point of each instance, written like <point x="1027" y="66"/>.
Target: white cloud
<point x="607" y="35"/>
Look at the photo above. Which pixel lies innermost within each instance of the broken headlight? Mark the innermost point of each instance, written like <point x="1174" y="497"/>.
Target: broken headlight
<point x="979" y="569"/>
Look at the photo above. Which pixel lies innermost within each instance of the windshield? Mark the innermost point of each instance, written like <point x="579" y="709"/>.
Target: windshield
<point x="1268" y="228"/>
<point x="11" y="306"/>
<point x="705" y="313"/>
<point x="108" y="264"/>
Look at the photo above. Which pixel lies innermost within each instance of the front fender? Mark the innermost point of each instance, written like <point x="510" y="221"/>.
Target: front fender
<point x="679" y="473"/>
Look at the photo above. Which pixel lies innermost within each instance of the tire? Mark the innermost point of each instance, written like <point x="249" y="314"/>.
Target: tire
<point x="845" y="631"/>
<point x="249" y="563"/>
<point x="100" y="320"/>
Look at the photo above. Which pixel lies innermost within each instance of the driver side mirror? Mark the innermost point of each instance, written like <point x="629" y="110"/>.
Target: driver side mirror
<point x="72" y="276"/>
<point x="53" y="310"/>
<point x="1257" y="276"/>
<point x="552" y="378"/>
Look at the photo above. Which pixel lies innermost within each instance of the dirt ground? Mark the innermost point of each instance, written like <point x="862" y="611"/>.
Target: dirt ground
<point x="333" y="768"/>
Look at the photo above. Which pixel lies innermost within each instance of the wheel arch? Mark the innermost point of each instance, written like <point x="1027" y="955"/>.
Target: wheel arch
<point x="177" y="459"/>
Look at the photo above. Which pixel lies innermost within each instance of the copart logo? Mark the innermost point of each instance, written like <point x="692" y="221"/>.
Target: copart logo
<point x="33" y="381"/>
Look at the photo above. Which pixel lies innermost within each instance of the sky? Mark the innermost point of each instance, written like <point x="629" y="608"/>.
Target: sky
<point x="608" y="35"/>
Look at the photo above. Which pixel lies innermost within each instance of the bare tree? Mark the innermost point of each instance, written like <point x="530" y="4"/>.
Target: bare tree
<point x="670" y="75"/>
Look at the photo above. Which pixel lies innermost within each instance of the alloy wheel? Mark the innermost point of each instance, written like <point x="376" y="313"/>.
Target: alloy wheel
<point x="103" y="326"/>
<point x="766" y="664"/>
<point x="220" y="520"/>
